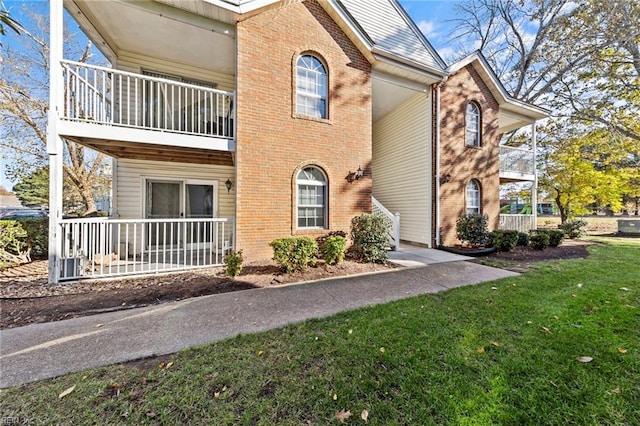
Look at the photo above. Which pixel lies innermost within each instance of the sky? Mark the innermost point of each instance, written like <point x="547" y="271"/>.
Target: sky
<point x="435" y="18"/>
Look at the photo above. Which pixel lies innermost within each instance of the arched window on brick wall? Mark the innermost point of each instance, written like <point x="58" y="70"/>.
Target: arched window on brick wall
<point x="311" y="87"/>
<point x="311" y="198"/>
<point x="473" y="121"/>
<point x="473" y="197"/>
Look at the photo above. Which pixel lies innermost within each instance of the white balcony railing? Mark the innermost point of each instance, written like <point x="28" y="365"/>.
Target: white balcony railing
<point x="100" y="247"/>
<point x="517" y="222"/>
<point x="516" y="160"/>
<point x="102" y="95"/>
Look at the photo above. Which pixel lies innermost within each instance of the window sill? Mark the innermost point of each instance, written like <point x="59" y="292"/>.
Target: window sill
<point x="315" y="119"/>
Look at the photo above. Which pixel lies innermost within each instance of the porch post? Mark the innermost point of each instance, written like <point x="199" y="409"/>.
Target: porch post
<point x="534" y="190"/>
<point x="54" y="142"/>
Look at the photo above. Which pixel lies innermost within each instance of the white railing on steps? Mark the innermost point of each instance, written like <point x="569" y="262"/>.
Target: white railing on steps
<point x="394" y="233"/>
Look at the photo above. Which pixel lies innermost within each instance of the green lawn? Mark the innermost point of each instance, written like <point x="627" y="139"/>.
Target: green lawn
<point x="504" y="352"/>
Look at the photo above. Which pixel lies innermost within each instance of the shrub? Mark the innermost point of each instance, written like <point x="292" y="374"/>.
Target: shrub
<point x="574" y="228"/>
<point x="504" y="240"/>
<point x="370" y="237"/>
<point x="294" y="253"/>
<point x="37" y="238"/>
<point x="13" y="248"/>
<point x="333" y="249"/>
<point x="233" y="263"/>
<point x="321" y="239"/>
<point x="539" y="239"/>
<point x="555" y="237"/>
<point x="471" y="228"/>
<point x="523" y="239"/>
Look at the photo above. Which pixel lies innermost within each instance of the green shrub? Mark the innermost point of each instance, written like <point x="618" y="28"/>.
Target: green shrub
<point x="574" y="228"/>
<point x="471" y="228"/>
<point x="233" y="263"/>
<point x="37" y="239"/>
<point x="370" y="234"/>
<point x="555" y="237"/>
<point x="539" y="239"/>
<point x="504" y="240"/>
<point x="294" y="253"/>
<point x="13" y="248"/>
<point x="333" y="249"/>
<point x="523" y="239"/>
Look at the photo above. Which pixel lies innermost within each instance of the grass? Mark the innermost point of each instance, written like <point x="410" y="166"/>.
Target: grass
<point x="503" y="352"/>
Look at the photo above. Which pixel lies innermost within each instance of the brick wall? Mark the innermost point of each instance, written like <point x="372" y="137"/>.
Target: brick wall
<point x="273" y="143"/>
<point x="462" y="162"/>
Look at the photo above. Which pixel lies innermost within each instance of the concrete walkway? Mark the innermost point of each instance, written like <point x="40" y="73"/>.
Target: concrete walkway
<point x="41" y="351"/>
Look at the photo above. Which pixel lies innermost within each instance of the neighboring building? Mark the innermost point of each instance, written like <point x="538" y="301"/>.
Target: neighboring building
<point x="235" y="122"/>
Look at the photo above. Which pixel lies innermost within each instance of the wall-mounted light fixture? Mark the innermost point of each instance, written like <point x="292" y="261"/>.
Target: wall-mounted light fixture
<point x="355" y="175"/>
<point x="228" y="184"/>
<point x="445" y="178"/>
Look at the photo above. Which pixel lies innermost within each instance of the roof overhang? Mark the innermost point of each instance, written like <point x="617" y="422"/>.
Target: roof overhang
<point x="514" y="113"/>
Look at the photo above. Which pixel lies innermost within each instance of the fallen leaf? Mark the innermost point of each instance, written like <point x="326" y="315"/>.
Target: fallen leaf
<point x="382" y="349"/>
<point x="496" y="344"/>
<point x="574" y="295"/>
<point x="546" y="330"/>
<point x="580" y="285"/>
<point x="343" y="415"/>
<point x="260" y="353"/>
<point x="350" y="331"/>
<point x="99" y="325"/>
<point x="494" y="288"/>
<point x="622" y="350"/>
<point x="624" y="289"/>
<point x="616" y="390"/>
<point x="584" y="359"/>
<point x="66" y="392"/>
<point x="364" y="415"/>
<point x="480" y="350"/>
<point x="335" y="396"/>
<point x="169" y="364"/>
<point x="216" y="394"/>
<point x="556" y="317"/>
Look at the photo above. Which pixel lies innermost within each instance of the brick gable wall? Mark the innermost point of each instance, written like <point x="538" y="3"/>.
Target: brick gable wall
<point x="464" y="163"/>
<point x="273" y="143"/>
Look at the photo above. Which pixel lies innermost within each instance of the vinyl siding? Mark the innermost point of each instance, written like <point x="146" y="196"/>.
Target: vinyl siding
<point x="402" y="166"/>
<point x="389" y="28"/>
<point x="129" y="191"/>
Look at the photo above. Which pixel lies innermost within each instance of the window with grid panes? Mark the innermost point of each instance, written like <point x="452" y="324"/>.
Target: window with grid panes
<point x="311" y="198"/>
<point x="473" y="197"/>
<point x="311" y="87"/>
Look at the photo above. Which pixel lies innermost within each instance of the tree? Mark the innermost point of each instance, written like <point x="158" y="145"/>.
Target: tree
<point x="33" y="191"/>
<point x="23" y="112"/>
<point x="7" y="20"/>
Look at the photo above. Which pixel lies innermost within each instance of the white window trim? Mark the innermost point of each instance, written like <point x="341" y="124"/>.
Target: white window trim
<point x="312" y="95"/>
<point x="477" y="190"/>
<point x="324" y="206"/>
<point x="476" y="129"/>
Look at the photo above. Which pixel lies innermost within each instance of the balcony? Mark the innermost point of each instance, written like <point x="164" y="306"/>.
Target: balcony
<point x="516" y="164"/>
<point x="129" y="115"/>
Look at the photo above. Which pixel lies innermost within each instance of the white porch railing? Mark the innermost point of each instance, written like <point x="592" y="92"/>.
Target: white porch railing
<point x="394" y="233"/>
<point x="516" y="160"/>
<point x="100" y="247"/>
<point x="101" y="95"/>
<point x="517" y="222"/>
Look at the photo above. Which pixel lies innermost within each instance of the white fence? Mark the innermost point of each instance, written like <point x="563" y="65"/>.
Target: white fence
<point x="103" y="95"/>
<point x="99" y="247"/>
<point x="394" y="233"/>
<point x="516" y="160"/>
<point x="517" y="222"/>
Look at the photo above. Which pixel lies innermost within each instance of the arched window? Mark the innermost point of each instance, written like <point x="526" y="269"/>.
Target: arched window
<point x="311" y="188"/>
<point x="473" y="124"/>
<point x="473" y="197"/>
<point x="311" y="87"/>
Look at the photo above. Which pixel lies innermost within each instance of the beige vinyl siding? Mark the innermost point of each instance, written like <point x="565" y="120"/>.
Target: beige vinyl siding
<point x="402" y="166"/>
<point x="130" y="175"/>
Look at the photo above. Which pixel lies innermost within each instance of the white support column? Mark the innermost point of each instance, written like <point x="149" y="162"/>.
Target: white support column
<point x="54" y="142"/>
<point x="534" y="189"/>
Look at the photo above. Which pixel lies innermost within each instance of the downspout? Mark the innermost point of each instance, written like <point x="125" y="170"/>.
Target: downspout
<point x="534" y="190"/>
<point x="437" y="161"/>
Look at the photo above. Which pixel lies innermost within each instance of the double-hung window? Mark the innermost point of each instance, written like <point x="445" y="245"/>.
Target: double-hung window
<point x="473" y="120"/>
<point x="311" y="191"/>
<point x="311" y="87"/>
<point x="473" y="197"/>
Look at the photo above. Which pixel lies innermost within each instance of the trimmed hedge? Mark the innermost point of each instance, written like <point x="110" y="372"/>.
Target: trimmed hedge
<point x="370" y="237"/>
<point x="539" y="239"/>
<point x="472" y="228"/>
<point x="294" y="253"/>
<point x="333" y="249"/>
<point x="523" y="239"/>
<point x="504" y="240"/>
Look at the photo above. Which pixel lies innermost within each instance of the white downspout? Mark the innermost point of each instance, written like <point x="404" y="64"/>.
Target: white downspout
<point x="437" y="161"/>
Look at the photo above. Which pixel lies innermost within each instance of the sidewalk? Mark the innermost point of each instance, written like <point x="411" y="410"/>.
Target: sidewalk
<point x="47" y="350"/>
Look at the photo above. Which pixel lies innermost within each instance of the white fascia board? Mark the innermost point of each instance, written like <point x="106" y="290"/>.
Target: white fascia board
<point x="504" y="98"/>
<point x="241" y="6"/>
<point x="383" y="55"/>
<point x="349" y="21"/>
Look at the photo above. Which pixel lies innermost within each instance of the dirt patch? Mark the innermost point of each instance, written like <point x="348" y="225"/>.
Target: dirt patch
<point x="26" y="298"/>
